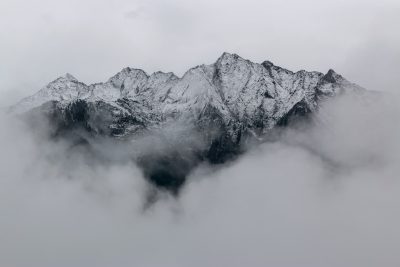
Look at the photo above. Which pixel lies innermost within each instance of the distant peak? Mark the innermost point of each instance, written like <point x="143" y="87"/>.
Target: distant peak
<point x="126" y="69"/>
<point x="228" y="56"/>
<point x="129" y="72"/>
<point x="331" y="76"/>
<point x="267" y="64"/>
<point x="331" y="72"/>
<point x="69" y="76"/>
<point x="65" y="77"/>
<point x="129" y="69"/>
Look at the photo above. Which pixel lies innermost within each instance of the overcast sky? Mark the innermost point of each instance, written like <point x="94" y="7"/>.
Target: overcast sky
<point x="325" y="196"/>
<point x="94" y="39"/>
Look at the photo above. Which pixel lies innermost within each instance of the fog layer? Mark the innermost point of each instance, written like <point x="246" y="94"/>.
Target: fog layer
<point x="327" y="195"/>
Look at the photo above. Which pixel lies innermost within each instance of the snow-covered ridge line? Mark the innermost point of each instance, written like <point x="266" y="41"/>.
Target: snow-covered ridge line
<point x="127" y="76"/>
<point x="238" y="89"/>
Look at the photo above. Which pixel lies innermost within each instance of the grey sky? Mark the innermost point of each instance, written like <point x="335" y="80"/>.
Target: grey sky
<point x="43" y="39"/>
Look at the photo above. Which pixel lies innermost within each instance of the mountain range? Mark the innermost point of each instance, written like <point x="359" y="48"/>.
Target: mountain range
<point x="171" y="124"/>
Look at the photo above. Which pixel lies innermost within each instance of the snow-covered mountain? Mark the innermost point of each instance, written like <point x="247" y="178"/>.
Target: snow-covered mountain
<point x="225" y="104"/>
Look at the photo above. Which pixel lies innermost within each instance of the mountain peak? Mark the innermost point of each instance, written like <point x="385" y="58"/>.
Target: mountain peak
<point x="228" y="57"/>
<point x="129" y="70"/>
<point x="69" y="77"/>
<point x="332" y="77"/>
<point x="126" y="73"/>
<point x="267" y="64"/>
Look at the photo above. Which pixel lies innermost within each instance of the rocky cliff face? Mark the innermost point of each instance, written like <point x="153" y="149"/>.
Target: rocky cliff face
<point x="213" y="110"/>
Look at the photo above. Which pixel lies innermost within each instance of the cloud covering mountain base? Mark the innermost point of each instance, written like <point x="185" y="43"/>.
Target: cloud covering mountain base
<point x="324" y="195"/>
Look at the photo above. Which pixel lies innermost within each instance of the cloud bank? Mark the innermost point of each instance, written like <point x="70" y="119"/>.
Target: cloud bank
<point x="323" y="195"/>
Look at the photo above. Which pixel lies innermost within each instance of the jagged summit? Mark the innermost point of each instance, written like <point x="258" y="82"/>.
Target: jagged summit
<point x="332" y="77"/>
<point x="235" y="86"/>
<point x="229" y="57"/>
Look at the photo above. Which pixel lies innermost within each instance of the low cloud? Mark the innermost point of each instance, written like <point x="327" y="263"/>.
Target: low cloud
<point x="323" y="195"/>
